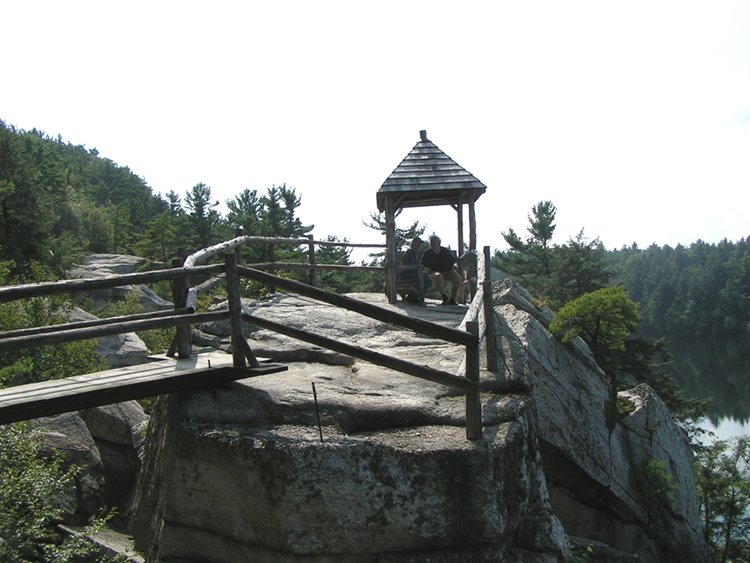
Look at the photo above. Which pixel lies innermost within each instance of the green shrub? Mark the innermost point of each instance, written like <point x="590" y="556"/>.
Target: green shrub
<point x="29" y="483"/>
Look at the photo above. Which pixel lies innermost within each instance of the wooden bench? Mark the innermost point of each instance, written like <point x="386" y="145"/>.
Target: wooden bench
<point x="411" y="285"/>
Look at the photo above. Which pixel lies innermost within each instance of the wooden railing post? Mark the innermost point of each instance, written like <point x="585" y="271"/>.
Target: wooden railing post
<point x="489" y="313"/>
<point x="182" y="343"/>
<point x="240" y="348"/>
<point x="311" y="257"/>
<point x="473" y="398"/>
<point x="238" y="249"/>
<point x="272" y="260"/>
<point x="473" y="274"/>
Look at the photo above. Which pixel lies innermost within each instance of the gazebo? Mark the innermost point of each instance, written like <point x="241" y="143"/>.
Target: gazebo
<point x="426" y="177"/>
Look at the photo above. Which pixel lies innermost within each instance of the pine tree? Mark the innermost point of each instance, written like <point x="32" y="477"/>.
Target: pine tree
<point x="202" y="218"/>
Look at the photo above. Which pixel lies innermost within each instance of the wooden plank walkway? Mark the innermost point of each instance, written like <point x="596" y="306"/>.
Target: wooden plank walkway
<point x="24" y="402"/>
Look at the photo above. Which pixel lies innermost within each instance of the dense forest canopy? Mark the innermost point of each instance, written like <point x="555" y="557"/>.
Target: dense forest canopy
<point x="699" y="290"/>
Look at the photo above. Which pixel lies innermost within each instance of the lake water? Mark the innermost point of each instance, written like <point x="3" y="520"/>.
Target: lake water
<point x="718" y="370"/>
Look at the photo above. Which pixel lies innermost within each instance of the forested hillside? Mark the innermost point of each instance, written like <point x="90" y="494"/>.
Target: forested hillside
<point x="699" y="290"/>
<point x="59" y="201"/>
<point x="694" y="291"/>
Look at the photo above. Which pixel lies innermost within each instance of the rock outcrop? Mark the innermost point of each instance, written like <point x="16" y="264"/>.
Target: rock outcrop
<point x="245" y="472"/>
<point x="107" y="444"/>
<point x="598" y="478"/>
<point x="100" y="265"/>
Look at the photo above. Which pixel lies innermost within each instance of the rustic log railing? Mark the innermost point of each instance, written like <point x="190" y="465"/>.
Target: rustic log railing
<point x="271" y="242"/>
<point x="56" y="334"/>
<point x="481" y="309"/>
<point x="184" y="315"/>
<point x="84" y="391"/>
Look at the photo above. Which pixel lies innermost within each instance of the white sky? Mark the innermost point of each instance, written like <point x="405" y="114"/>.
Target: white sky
<point x="633" y="117"/>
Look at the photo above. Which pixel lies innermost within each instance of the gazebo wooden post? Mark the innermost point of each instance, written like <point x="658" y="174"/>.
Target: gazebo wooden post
<point x="472" y="227"/>
<point x="390" y="249"/>
<point x="460" y="213"/>
<point x="474" y="274"/>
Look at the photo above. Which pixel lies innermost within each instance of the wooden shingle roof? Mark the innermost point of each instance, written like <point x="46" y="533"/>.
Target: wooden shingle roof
<point x="427" y="176"/>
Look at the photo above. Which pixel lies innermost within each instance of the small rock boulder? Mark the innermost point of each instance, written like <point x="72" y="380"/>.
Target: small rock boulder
<point x="119" y="349"/>
<point x="67" y="435"/>
<point x="119" y="432"/>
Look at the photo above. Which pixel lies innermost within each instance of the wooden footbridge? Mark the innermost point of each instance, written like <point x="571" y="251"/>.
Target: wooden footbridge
<point x="182" y="370"/>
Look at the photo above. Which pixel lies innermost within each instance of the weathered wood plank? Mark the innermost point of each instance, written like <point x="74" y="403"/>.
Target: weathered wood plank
<point x="15" y="405"/>
<point x="86" y="381"/>
<point x="148" y="371"/>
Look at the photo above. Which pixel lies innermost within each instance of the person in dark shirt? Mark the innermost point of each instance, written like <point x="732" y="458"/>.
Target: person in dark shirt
<point x="442" y="267"/>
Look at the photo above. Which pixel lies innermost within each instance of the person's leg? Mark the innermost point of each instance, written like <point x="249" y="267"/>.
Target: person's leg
<point x="439" y="280"/>
<point x="457" y="283"/>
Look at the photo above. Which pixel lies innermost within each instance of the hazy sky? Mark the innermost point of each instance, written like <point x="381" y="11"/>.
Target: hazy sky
<point x="633" y="118"/>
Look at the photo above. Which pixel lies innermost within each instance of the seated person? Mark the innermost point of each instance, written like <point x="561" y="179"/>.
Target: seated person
<point x="413" y="257"/>
<point x="442" y="267"/>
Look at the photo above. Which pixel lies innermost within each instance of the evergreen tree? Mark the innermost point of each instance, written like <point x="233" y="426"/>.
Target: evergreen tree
<point x="580" y="269"/>
<point x="723" y="479"/>
<point x="290" y="223"/>
<point x="278" y="219"/>
<point x="700" y="290"/>
<point x="539" y="243"/>
<point x="245" y="214"/>
<point x="202" y="218"/>
<point x="532" y="261"/>
<point x="541" y="228"/>
<point x="605" y="319"/>
<point x="336" y="281"/>
<point x="160" y="242"/>
<point x="122" y="228"/>
<point x="174" y="204"/>
<point x="403" y="236"/>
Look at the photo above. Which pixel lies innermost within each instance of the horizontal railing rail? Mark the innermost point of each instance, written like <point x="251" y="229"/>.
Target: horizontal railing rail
<point x="13" y="292"/>
<point x="66" y="334"/>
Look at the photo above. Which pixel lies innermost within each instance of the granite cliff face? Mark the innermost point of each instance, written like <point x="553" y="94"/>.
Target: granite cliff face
<point x="240" y="472"/>
<point x="598" y="478"/>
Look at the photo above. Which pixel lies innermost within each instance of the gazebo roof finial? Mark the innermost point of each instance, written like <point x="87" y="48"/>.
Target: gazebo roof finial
<point x="423" y="135"/>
